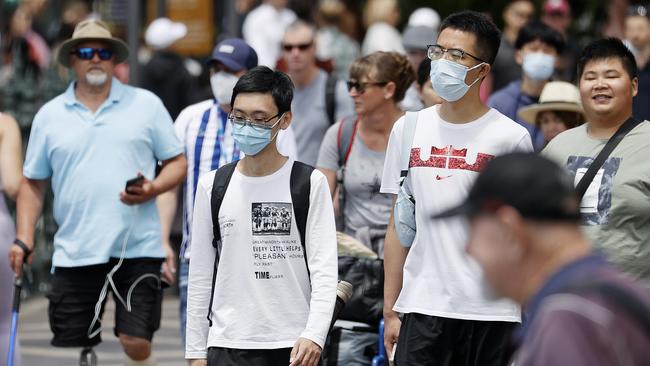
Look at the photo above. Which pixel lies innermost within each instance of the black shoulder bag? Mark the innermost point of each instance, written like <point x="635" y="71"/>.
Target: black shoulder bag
<point x="611" y="144"/>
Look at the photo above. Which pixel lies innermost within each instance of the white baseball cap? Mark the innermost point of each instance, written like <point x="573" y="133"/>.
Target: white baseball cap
<point x="163" y="32"/>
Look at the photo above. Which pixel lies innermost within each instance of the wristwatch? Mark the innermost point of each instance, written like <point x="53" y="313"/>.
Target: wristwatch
<point x="23" y="246"/>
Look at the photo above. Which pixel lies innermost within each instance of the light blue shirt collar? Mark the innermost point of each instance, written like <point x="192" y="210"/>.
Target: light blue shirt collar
<point x="114" y="96"/>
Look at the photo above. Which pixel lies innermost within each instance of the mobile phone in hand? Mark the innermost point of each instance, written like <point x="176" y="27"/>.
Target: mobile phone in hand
<point x="137" y="181"/>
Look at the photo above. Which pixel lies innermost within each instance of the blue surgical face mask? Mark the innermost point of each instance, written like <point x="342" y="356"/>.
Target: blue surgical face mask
<point x="448" y="79"/>
<point x="251" y="140"/>
<point x="538" y="65"/>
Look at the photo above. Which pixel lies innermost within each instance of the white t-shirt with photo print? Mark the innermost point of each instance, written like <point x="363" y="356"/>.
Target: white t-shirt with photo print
<point x="440" y="278"/>
<point x="263" y="297"/>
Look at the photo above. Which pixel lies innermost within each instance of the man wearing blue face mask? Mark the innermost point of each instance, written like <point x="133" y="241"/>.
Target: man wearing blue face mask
<point x="209" y="143"/>
<point x="263" y="266"/>
<point x="448" y="316"/>
<point x="538" y="47"/>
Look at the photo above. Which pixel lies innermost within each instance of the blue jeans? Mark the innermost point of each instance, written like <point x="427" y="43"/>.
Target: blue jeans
<point x="184" y="270"/>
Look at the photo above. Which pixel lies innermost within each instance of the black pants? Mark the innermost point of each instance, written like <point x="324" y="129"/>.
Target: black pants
<point x="435" y="341"/>
<point x="75" y="291"/>
<point x="219" y="356"/>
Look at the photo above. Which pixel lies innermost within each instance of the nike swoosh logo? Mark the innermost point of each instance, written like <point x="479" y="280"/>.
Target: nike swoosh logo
<point x="441" y="178"/>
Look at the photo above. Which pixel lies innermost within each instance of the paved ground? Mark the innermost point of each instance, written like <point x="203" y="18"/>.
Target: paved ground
<point x="35" y="338"/>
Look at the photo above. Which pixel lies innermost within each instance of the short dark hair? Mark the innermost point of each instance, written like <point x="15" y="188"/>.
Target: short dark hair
<point x="424" y="72"/>
<point x="261" y="79"/>
<point x="537" y="30"/>
<point x="608" y="48"/>
<point x="488" y="36"/>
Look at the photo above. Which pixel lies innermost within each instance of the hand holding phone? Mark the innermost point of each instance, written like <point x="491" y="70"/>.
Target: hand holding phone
<point x="137" y="181"/>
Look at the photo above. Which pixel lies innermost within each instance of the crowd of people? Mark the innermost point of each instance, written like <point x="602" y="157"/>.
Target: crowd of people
<point x="500" y="178"/>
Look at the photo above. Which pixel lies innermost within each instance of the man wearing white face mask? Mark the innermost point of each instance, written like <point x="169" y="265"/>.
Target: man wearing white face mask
<point x="538" y="47"/>
<point x="208" y="138"/>
<point x="448" y="318"/>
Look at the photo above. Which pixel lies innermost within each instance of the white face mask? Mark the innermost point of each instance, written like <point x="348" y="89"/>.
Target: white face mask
<point x="96" y="78"/>
<point x="222" y="84"/>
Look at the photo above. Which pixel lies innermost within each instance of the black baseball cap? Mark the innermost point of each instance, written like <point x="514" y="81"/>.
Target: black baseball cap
<point x="535" y="186"/>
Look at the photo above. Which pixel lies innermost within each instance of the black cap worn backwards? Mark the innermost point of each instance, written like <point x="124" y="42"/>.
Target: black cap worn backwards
<point x="533" y="185"/>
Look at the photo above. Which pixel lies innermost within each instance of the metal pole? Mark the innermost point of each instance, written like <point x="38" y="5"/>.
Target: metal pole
<point x="161" y="8"/>
<point x="228" y="21"/>
<point x="133" y="28"/>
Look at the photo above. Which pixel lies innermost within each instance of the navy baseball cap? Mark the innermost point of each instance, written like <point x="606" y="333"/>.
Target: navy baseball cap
<point x="533" y="185"/>
<point x="235" y="54"/>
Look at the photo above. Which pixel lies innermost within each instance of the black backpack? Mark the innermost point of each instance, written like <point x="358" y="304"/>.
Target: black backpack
<point x="300" y="183"/>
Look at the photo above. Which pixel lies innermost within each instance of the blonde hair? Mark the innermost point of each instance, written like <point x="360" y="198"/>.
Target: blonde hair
<point x="385" y="67"/>
<point x="379" y="11"/>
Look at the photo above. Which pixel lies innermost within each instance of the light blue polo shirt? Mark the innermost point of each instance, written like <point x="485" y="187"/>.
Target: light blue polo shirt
<point x="89" y="157"/>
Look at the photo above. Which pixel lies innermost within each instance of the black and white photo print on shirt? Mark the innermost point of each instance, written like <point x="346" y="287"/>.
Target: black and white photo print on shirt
<point x="271" y="218"/>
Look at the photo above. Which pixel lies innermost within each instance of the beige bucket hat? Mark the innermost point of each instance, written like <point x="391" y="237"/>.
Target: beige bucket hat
<point x="92" y="30"/>
<point x="556" y="96"/>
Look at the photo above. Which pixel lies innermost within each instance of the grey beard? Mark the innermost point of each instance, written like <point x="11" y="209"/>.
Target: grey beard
<point x="96" y="78"/>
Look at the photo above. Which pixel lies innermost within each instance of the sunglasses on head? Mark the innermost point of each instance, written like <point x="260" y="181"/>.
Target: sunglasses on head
<point x="87" y="53"/>
<point x="301" y="46"/>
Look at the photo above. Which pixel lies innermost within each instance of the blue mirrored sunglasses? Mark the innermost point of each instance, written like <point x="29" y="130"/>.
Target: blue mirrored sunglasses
<point x="87" y="53"/>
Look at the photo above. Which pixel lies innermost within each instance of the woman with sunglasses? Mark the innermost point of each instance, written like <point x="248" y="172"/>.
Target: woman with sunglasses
<point x="353" y="150"/>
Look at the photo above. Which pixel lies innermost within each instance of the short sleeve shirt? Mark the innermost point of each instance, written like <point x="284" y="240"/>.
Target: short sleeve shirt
<point x="89" y="157"/>
<point x="616" y="206"/>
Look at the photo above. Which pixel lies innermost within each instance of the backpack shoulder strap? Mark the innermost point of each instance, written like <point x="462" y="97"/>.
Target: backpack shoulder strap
<point x="408" y="133"/>
<point x="220" y="185"/>
<point x="330" y="97"/>
<point x="345" y="138"/>
<point x="300" y="183"/>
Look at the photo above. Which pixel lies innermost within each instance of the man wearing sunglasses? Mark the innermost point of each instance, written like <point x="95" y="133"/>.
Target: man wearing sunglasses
<point x="448" y="317"/>
<point x="319" y="99"/>
<point x="89" y="141"/>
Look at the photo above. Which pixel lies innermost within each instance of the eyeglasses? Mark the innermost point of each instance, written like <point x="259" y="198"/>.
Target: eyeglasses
<point x="436" y="52"/>
<point x="300" y="46"/>
<point x="259" y="124"/>
<point x="638" y="10"/>
<point x="87" y="53"/>
<point x="361" y="87"/>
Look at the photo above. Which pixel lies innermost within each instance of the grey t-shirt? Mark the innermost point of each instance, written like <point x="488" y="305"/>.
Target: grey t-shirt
<point x="505" y="69"/>
<point x="365" y="207"/>
<point x="310" y="121"/>
<point x="616" y="207"/>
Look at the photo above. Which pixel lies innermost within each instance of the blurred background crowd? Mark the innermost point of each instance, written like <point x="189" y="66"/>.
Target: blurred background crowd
<point x="172" y="39"/>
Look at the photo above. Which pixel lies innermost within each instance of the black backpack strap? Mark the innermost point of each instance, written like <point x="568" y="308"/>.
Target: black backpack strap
<point x="219" y="186"/>
<point x="330" y="97"/>
<point x="611" y="144"/>
<point x="300" y="183"/>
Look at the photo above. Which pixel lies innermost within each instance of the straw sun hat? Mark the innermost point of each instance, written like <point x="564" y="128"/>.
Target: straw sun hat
<point x="556" y="96"/>
<point x="92" y="30"/>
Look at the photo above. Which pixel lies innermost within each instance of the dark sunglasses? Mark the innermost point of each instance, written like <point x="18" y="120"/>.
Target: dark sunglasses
<point x="87" y="53"/>
<point x="361" y="87"/>
<point x="301" y="46"/>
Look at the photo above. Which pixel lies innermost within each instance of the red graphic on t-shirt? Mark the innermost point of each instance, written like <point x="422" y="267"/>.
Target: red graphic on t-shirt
<point x="448" y="158"/>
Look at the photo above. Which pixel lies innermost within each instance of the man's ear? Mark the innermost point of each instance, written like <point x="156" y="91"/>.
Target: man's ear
<point x="286" y="120"/>
<point x="517" y="229"/>
<point x="485" y="70"/>
<point x="635" y="86"/>
<point x="519" y="58"/>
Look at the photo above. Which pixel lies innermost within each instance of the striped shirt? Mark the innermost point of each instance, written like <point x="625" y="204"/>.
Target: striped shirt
<point x="204" y="130"/>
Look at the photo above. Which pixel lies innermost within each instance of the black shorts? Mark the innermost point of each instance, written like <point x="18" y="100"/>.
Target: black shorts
<point x="76" y="290"/>
<point x="435" y="341"/>
<point x="219" y="356"/>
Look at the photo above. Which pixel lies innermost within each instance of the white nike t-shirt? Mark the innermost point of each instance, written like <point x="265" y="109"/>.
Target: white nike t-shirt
<point x="440" y="278"/>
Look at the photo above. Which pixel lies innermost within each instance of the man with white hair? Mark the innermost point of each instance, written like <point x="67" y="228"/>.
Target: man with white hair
<point x="91" y="140"/>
